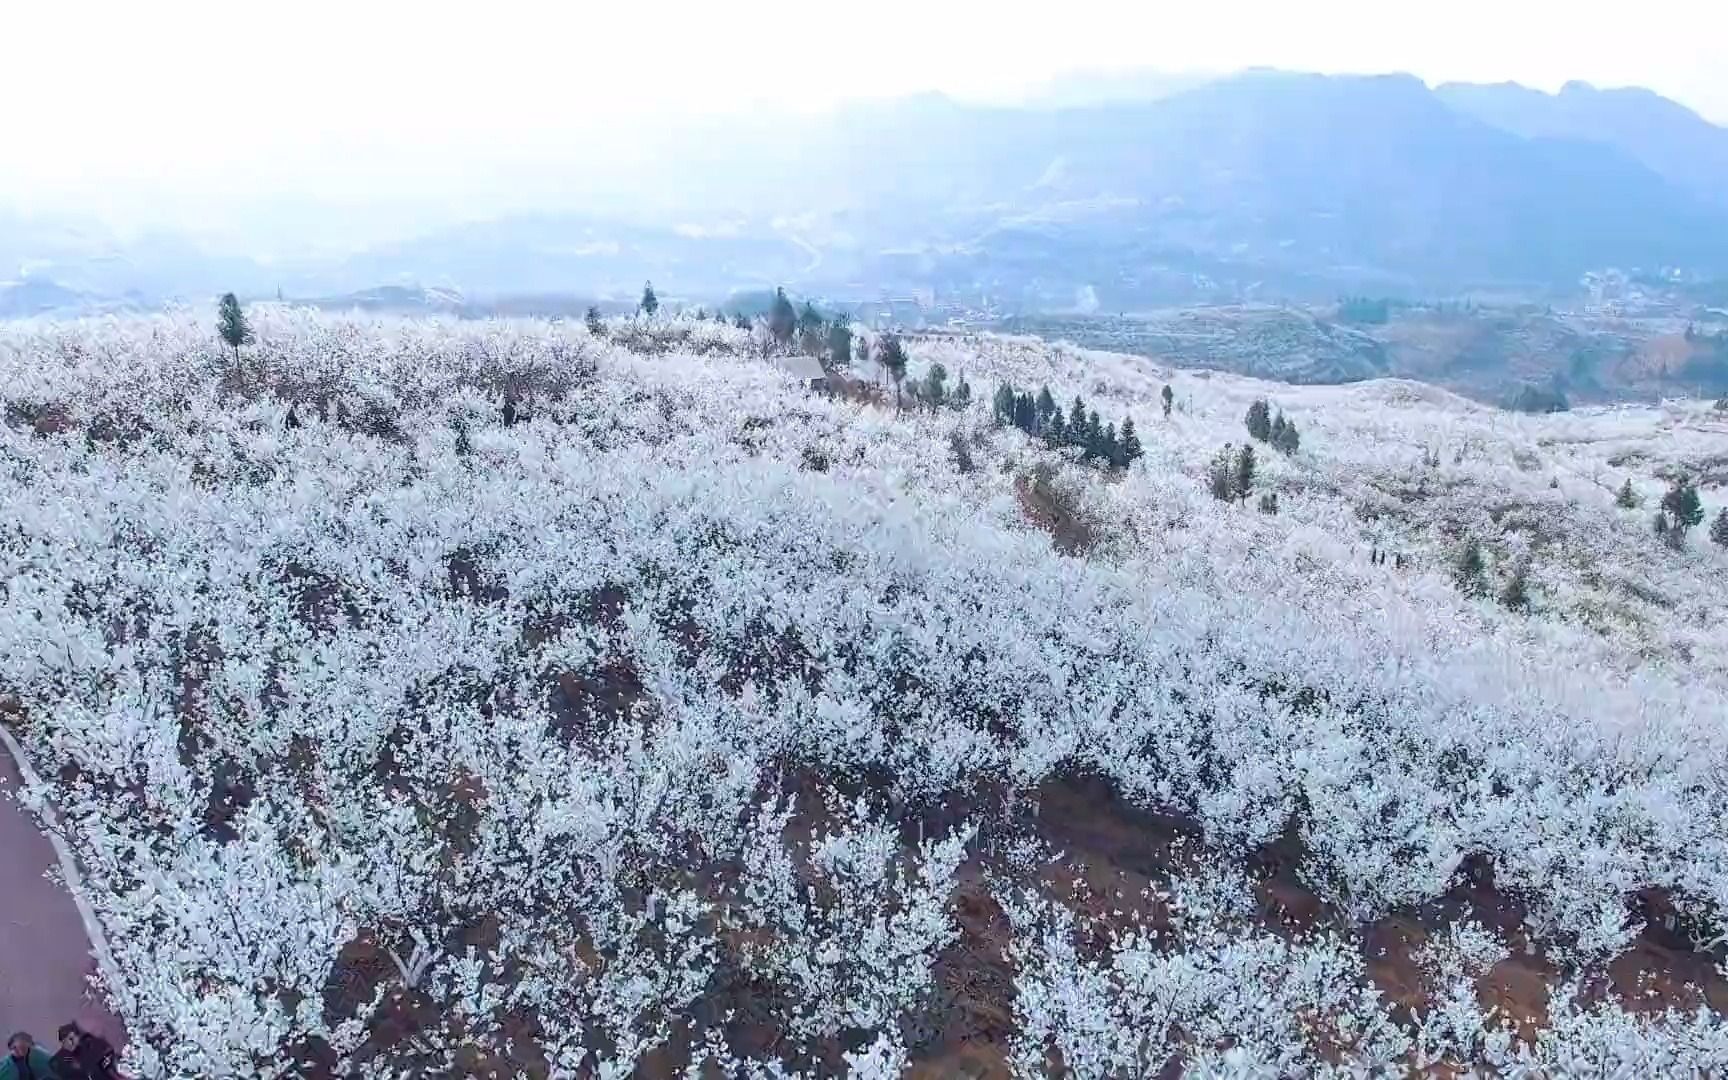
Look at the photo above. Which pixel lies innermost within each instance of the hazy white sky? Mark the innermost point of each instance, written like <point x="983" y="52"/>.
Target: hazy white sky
<point x="113" y="102"/>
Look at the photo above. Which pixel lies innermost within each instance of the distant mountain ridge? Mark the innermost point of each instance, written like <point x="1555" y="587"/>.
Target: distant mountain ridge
<point x="1264" y="185"/>
<point x="1664" y="135"/>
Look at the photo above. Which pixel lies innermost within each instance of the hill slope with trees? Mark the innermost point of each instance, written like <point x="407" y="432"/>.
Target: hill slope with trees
<point x="596" y="698"/>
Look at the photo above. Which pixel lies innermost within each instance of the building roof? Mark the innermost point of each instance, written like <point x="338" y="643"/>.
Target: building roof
<point x="803" y="368"/>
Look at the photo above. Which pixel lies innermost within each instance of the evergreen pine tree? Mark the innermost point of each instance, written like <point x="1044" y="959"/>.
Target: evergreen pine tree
<point x="1259" y="421"/>
<point x="650" y="303"/>
<point x="839" y="344"/>
<point x="741" y="321"/>
<point x="1046" y="406"/>
<point x="1516" y="595"/>
<point x="1131" y="451"/>
<point x="810" y="320"/>
<point x="596" y="325"/>
<point x="1077" y="424"/>
<point x="1092" y="445"/>
<point x="1471" y="572"/>
<point x="893" y="360"/>
<point x="1684" y="509"/>
<point x="1279" y="432"/>
<point x="1221" y="476"/>
<point x="936" y="386"/>
<point x="783" y="320"/>
<point x="1169" y="397"/>
<point x="1244" y="479"/>
<point x="1002" y="405"/>
<point x="1719" y="529"/>
<point x="1291" y="440"/>
<point x="962" y="393"/>
<point x="232" y="325"/>
<point x="1663" y="528"/>
<point x="1269" y="503"/>
<point x="1626" y="498"/>
<point x="1056" y="432"/>
<point x="1109" y="449"/>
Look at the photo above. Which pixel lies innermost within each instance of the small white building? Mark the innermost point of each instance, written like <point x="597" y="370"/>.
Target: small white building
<point x="806" y="369"/>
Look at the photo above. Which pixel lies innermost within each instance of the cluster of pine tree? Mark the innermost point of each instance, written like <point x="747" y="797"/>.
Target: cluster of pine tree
<point x="933" y="391"/>
<point x="1040" y="417"/>
<point x="1279" y="432"/>
<point x="1470" y="572"/>
<point x="1681" y="512"/>
<point x="1230" y="478"/>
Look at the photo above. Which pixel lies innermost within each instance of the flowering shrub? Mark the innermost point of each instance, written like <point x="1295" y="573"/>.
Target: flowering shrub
<point x="398" y="736"/>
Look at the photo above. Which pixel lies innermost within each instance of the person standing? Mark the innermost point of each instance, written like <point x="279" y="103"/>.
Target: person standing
<point x="84" y="1056"/>
<point x="26" y="1061"/>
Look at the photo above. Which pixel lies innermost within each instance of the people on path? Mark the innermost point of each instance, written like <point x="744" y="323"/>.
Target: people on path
<point x="27" y="1061"/>
<point x="84" y="1056"/>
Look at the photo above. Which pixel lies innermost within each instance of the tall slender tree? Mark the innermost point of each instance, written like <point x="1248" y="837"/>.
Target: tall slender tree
<point x="839" y="343"/>
<point x="1221" y="476"/>
<point x="1131" y="451"/>
<point x="782" y="319"/>
<point x="1259" y="420"/>
<point x="1046" y="406"/>
<point x="1169" y="397"/>
<point x="231" y="323"/>
<point x="650" y="303"/>
<point x="1719" y="529"/>
<point x="1077" y="424"/>
<point x="893" y="358"/>
<point x="1109" y="448"/>
<point x="1245" y="472"/>
<point x="1056" y="432"/>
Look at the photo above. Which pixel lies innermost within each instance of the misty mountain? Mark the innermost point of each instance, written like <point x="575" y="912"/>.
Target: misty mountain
<point x="1664" y="135"/>
<point x="1312" y="184"/>
<point x="1260" y="186"/>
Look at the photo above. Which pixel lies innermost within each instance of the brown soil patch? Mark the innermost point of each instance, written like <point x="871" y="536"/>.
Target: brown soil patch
<point x="586" y="704"/>
<point x="1056" y="510"/>
<point x="465" y="577"/>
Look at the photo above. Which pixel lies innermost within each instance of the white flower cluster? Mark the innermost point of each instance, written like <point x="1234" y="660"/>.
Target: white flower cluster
<point x="397" y="734"/>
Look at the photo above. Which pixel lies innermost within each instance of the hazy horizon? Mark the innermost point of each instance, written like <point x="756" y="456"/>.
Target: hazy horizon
<point x="202" y="117"/>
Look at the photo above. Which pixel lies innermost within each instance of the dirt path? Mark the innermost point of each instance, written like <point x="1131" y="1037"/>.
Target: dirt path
<point x="46" y="956"/>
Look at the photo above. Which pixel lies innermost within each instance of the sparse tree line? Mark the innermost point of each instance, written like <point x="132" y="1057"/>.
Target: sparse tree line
<point x="1679" y="513"/>
<point x="1081" y="428"/>
<point x="1230" y="477"/>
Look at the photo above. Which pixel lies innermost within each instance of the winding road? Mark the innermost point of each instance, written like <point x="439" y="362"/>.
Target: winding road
<point x="46" y="955"/>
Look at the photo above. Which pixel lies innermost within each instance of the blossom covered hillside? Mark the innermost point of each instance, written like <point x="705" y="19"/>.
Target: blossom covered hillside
<point x="428" y="698"/>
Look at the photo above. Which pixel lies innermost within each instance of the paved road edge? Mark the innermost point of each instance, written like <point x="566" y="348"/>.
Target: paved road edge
<point x="71" y="876"/>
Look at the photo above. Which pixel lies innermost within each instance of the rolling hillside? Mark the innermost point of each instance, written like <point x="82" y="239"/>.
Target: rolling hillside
<point x="676" y="717"/>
